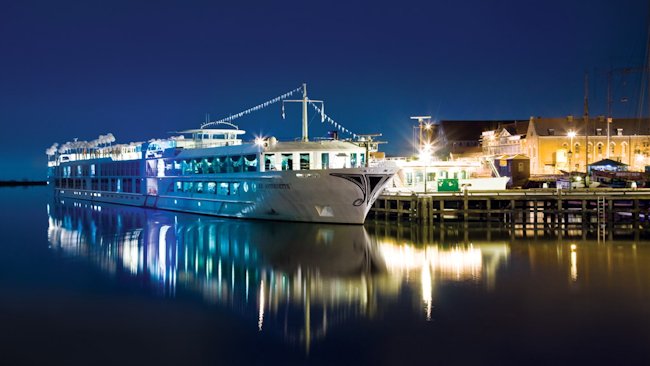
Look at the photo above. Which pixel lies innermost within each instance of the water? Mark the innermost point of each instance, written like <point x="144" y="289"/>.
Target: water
<point x="106" y="284"/>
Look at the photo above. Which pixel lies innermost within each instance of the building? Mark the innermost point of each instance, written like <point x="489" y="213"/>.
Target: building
<point x="509" y="138"/>
<point x="463" y="138"/>
<point x="571" y="144"/>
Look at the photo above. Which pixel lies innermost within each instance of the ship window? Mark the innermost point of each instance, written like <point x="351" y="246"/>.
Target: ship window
<point x="304" y="161"/>
<point x="353" y="160"/>
<point x="269" y="162"/>
<point x="222" y="190"/>
<point x="245" y="185"/>
<point x="212" y="187"/>
<point x="287" y="161"/>
<point x="199" y="187"/>
<point x="219" y="164"/>
<point x="234" y="188"/>
<point x="187" y="167"/>
<point x="228" y="165"/>
<point x="92" y="170"/>
<point x="251" y="163"/>
<point x="409" y="178"/>
<point x="187" y="186"/>
<point x="179" y="187"/>
<point x="325" y="160"/>
<point x="237" y="165"/>
<point x="119" y="185"/>
<point x="205" y="166"/>
<point x="363" y="159"/>
<point x="195" y="167"/>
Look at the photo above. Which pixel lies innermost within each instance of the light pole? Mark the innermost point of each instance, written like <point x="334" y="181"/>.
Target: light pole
<point x="571" y="134"/>
<point x="425" y="158"/>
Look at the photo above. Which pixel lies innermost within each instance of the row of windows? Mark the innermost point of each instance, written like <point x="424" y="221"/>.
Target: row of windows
<point x="247" y="163"/>
<point x="218" y="188"/>
<point x="418" y="176"/>
<point x="219" y="164"/>
<point x="118" y="168"/>
<point x="126" y="185"/>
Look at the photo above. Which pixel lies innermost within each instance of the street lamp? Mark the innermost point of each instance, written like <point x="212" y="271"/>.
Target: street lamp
<point x="571" y="134"/>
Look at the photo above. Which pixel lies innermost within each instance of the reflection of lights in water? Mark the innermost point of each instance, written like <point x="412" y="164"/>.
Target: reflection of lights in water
<point x="131" y="252"/>
<point x="574" y="263"/>
<point x="427" y="290"/>
<point x="162" y="251"/>
<point x="260" y="316"/>
<point x="456" y="263"/>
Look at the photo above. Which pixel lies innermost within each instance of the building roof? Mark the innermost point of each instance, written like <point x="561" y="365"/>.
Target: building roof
<point x="454" y="130"/>
<point x="561" y="126"/>
<point x="606" y="162"/>
<point x="516" y="127"/>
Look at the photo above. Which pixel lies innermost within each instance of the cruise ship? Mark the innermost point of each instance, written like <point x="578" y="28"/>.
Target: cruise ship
<point x="211" y="170"/>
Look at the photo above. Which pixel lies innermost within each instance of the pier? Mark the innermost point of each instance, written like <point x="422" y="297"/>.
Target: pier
<point x="589" y="210"/>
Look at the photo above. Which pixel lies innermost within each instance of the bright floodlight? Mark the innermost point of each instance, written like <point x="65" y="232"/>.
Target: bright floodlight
<point x="425" y="153"/>
<point x="571" y="134"/>
<point x="259" y="141"/>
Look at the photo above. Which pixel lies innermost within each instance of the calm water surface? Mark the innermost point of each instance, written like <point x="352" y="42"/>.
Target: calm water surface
<point x="82" y="283"/>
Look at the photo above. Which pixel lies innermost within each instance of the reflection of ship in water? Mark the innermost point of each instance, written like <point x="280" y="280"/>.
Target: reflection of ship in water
<point x="295" y="279"/>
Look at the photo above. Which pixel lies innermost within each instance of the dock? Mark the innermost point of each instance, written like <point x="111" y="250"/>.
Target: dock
<point x="589" y="210"/>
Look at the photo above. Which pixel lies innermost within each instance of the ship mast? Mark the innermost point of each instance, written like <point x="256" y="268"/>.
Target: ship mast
<point x="305" y="133"/>
<point x="305" y="101"/>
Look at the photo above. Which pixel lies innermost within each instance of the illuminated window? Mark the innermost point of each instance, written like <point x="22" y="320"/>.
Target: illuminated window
<point x="287" y="161"/>
<point x="304" y="161"/>
<point x="222" y="189"/>
<point x="325" y="160"/>
<point x="212" y="187"/>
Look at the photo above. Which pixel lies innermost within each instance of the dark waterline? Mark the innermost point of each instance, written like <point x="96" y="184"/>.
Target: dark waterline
<point x="85" y="284"/>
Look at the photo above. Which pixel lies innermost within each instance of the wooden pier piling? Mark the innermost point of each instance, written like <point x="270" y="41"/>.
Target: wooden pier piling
<point x="578" y="209"/>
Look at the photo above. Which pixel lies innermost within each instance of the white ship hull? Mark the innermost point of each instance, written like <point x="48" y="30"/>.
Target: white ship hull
<point x="324" y="196"/>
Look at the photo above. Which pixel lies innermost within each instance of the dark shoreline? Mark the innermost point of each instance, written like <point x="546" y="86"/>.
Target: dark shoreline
<point x="25" y="183"/>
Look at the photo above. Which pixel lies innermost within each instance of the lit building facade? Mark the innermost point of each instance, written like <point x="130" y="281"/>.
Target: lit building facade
<point x="570" y="144"/>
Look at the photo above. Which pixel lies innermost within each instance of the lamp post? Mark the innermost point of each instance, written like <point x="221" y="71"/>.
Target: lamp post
<point x="425" y="158"/>
<point x="571" y="135"/>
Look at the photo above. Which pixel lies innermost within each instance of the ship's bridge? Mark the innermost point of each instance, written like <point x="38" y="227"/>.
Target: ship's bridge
<point x="211" y="137"/>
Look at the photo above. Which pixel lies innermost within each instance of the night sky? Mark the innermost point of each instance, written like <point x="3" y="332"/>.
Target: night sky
<point x="141" y="69"/>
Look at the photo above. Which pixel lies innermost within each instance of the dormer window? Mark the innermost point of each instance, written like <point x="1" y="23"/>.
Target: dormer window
<point x="551" y="132"/>
<point x="599" y="132"/>
<point x="619" y="132"/>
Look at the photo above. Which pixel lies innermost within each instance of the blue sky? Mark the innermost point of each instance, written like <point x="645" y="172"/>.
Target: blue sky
<point x="140" y="69"/>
